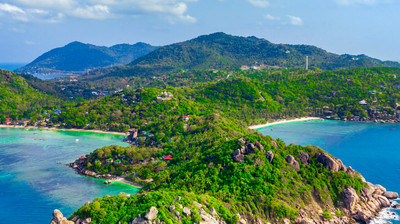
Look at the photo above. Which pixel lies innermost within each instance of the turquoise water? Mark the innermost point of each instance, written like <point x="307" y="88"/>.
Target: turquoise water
<point x="34" y="180"/>
<point x="371" y="149"/>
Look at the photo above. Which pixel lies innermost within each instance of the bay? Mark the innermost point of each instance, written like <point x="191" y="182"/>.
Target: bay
<point x="34" y="179"/>
<point x="372" y="149"/>
<point x="11" y="66"/>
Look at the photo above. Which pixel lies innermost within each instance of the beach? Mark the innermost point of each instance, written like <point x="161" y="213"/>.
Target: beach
<point x="63" y="129"/>
<point x="283" y="121"/>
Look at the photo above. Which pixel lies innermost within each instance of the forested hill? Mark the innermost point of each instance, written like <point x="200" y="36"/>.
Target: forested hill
<point x="223" y="51"/>
<point x="20" y="100"/>
<point x="78" y="57"/>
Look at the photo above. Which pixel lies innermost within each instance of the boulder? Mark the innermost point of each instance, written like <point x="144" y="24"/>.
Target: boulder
<point x="207" y="218"/>
<point x="291" y="160"/>
<point x="139" y="220"/>
<point x="186" y="211"/>
<point x="396" y="206"/>
<point x="273" y="143"/>
<point x="270" y="156"/>
<point x="333" y="164"/>
<point x="171" y="208"/>
<point x="361" y="217"/>
<point x="384" y="201"/>
<point x="238" y="158"/>
<point x="242" y="141"/>
<point x="151" y="214"/>
<point x="259" y="146"/>
<point x="236" y="152"/>
<point x="350" y="171"/>
<point x="304" y="158"/>
<point x="391" y="195"/>
<point x="250" y="148"/>
<point x="213" y="212"/>
<point x="58" y="218"/>
<point x="350" y="198"/>
<point x="178" y="198"/>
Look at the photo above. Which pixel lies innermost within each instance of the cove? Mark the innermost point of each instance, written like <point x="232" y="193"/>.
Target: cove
<point x="34" y="179"/>
<point x="372" y="149"/>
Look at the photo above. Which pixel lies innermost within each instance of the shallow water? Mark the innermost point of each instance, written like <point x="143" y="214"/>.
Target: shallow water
<point x="34" y="180"/>
<point x="371" y="149"/>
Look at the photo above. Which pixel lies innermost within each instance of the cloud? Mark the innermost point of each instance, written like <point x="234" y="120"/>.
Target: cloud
<point x="295" y="21"/>
<point x="11" y="9"/>
<point x="175" y="10"/>
<point x="259" y="3"/>
<point x="92" y="12"/>
<point x="270" y="17"/>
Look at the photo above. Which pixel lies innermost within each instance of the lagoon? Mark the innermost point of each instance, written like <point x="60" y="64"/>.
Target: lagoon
<point x="34" y="179"/>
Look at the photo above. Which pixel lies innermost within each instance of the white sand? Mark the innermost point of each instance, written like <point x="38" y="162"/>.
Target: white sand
<point x="284" y="121"/>
<point x="63" y="129"/>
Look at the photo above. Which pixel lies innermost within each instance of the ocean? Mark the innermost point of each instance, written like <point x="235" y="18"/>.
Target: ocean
<point x="11" y="66"/>
<point x="34" y="179"/>
<point x="370" y="148"/>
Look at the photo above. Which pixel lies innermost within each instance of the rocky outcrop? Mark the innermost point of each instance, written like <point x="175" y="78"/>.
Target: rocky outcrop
<point x="350" y="198"/>
<point x="291" y="160"/>
<point x="304" y="158"/>
<point x="58" y="218"/>
<point x="151" y="214"/>
<point x="332" y="163"/>
<point x="270" y="156"/>
<point x="391" y="195"/>
<point x="246" y="149"/>
<point x="149" y="218"/>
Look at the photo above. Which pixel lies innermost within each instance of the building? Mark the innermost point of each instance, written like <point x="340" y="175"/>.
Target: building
<point x="185" y="118"/>
<point x="167" y="157"/>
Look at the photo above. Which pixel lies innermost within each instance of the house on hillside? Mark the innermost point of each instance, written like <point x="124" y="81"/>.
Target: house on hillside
<point x="363" y="102"/>
<point x="109" y="160"/>
<point x="167" y="157"/>
<point x="185" y="118"/>
<point x="58" y="112"/>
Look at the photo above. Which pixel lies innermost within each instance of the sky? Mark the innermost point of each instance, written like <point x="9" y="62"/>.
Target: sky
<point x="29" y="28"/>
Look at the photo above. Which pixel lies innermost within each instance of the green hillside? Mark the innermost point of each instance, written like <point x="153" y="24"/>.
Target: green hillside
<point x="19" y="100"/>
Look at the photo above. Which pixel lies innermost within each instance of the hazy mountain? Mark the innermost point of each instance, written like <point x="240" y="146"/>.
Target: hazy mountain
<point x="77" y="57"/>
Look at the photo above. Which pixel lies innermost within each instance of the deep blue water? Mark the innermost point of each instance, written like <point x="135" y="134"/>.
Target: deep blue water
<point x="34" y="180"/>
<point x="11" y="66"/>
<point x="371" y="149"/>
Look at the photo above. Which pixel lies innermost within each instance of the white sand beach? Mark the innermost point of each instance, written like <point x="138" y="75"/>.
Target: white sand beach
<point x="284" y="121"/>
<point x="63" y="129"/>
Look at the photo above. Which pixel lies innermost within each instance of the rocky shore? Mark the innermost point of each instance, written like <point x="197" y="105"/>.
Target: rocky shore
<point x="78" y="165"/>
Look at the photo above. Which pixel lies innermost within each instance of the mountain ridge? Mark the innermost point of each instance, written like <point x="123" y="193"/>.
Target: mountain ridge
<point x="77" y="57"/>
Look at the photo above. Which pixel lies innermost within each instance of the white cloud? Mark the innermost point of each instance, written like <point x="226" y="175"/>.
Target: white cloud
<point x="50" y="4"/>
<point x="11" y="9"/>
<point x="259" y="3"/>
<point x="92" y="12"/>
<point x="175" y="10"/>
<point x="295" y="21"/>
<point x="270" y="17"/>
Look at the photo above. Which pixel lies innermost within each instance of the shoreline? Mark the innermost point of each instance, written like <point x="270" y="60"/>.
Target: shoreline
<point x="64" y="129"/>
<point x="284" y="121"/>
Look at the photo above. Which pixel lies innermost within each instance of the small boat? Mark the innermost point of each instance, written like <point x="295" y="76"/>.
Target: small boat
<point x="77" y="140"/>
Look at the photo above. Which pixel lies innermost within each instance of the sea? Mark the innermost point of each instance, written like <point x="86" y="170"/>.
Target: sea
<point x="34" y="179"/>
<point x="11" y="66"/>
<point x="373" y="149"/>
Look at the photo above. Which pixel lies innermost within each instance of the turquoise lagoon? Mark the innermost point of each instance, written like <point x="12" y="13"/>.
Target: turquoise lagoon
<point x="34" y="179"/>
<point x="370" y="148"/>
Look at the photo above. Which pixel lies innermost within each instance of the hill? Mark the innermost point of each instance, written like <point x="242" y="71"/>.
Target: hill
<point x="223" y="51"/>
<point x="77" y="57"/>
<point x="18" y="99"/>
<point x="220" y="51"/>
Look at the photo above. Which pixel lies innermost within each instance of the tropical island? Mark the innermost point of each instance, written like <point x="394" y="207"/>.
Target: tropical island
<point x="192" y="150"/>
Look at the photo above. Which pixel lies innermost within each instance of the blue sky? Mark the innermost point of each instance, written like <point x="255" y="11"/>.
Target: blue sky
<point x="29" y="28"/>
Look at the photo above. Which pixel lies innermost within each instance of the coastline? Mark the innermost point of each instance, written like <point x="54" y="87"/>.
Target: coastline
<point x="283" y="121"/>
<point x="63" y="129"/>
